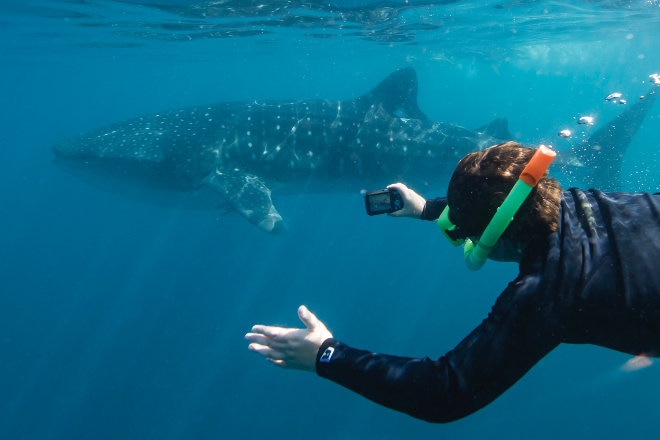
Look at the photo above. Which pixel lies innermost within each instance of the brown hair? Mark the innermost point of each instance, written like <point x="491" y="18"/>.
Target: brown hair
<point x="482" y="180"/>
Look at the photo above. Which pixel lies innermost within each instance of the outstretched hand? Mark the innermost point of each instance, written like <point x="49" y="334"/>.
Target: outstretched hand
<point x="413" y="203"/>
<point x="290" y="347"/>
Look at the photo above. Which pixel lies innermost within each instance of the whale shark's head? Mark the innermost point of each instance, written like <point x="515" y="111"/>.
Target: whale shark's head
<point x="137" y="170"/>
<point x="140" y="151"/>
<point x="95" y="161"/>
<point x="118" y="145"/>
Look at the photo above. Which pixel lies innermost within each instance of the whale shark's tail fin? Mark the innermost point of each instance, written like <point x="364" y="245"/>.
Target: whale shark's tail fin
<point x="602" y="153"/>
<point x="397" y="94"/>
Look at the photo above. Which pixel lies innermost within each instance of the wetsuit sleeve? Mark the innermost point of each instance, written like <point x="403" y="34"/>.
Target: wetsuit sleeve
<point x="433" y="208"/>
<point x="515" y="336"/>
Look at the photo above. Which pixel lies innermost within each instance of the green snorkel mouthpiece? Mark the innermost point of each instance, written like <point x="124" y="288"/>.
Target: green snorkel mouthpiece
<point x="477" y="253"/>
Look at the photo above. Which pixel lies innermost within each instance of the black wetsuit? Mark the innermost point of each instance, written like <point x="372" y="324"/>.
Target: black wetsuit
<point x="597" y="282"/>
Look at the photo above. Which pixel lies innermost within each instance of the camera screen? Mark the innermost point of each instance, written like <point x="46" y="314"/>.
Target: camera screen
<point x="380" y="202"/>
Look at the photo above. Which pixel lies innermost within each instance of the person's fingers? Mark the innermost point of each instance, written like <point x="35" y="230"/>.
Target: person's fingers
<point x="275" y="355"/>
<point x="278" y="362"/>
<point x="266" y="351"/>
<point x="256" y="337"/>
<point x="272" y="332"/>
<point x="308" y="318"/>
<point x="263" y="329"/>
<point x="405" y="193"/>
<point x="399" y="213"/>
<point x="263" y="350"/>
<point x="277" y="344"/>
<point x="398" y="185"/>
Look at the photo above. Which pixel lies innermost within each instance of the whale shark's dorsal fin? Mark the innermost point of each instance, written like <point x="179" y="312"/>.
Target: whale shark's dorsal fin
<point x="397" y="94"/>
<point x="249" y="196"/>
<point x="498" y="129"/>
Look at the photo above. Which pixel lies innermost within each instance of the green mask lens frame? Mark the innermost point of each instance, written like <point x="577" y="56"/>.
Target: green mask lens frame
<point x="446" y="226"/>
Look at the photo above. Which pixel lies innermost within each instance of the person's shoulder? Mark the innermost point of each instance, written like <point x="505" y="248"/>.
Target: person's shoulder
<point x="600" y="194"/>
<point x="610" y="203"/>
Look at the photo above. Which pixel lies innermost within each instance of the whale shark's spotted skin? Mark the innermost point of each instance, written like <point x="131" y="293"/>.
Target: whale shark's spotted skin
<point x="234" y="149"/>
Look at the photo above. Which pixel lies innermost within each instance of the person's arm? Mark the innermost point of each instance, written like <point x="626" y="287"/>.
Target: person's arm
<point x="415" y="206"/>
<point x="518" y="333"/>
<point x="433" y="208"/>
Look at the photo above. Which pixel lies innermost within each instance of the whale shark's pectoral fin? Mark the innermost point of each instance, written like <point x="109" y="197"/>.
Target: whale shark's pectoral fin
<point x="248" y="195"/>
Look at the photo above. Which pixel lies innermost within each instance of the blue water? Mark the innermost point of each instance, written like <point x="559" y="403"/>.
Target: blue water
<point x="122" y="320"/>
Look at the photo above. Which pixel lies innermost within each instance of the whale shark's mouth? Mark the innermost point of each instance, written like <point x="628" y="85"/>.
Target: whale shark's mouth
<point x="131" y="183"/>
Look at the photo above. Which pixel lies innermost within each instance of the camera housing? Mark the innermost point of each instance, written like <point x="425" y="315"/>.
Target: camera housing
<point x="383" y="201"/>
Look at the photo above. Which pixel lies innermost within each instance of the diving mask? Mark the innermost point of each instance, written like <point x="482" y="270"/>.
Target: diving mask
<point x="477" y="253"/>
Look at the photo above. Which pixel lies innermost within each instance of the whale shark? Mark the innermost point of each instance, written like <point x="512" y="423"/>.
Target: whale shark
<point x="237" y="153"/>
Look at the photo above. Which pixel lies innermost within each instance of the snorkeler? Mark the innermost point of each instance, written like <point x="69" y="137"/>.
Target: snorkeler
<point x="589" y="273"/>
